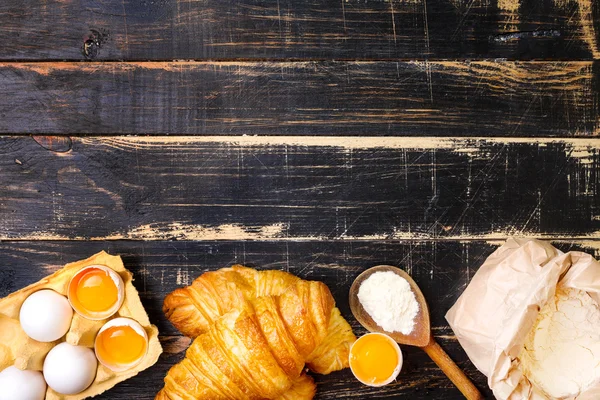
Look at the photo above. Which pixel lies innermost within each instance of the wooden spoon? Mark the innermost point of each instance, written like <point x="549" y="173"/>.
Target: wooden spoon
<point x="421" y="334"/>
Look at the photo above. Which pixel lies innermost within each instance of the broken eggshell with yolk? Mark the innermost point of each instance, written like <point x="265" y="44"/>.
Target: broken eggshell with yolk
<point x="121" y="344"/>
<point x="375" y="359"/>
<point x="96" y="292"/>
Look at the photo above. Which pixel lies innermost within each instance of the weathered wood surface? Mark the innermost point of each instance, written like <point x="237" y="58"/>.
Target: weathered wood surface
<point x="441" y="268"/>
<point x="286" y="188"/>
<point x="383" y="144"/>
<point x="311" y="29"/>
<point x="303" y="98"/>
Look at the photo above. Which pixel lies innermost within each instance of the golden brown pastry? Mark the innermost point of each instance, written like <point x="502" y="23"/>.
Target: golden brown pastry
<point x="256" y="351"/>
<point x="193" y="309"/>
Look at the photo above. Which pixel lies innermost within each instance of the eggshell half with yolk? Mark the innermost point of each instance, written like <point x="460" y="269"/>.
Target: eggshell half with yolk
<point x="375" y="359"/>
<point x="96" y="292"/>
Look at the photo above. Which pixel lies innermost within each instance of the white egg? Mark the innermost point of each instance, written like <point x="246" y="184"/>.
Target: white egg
<point x="70" y="369"/>
<point x="46" y="316"/>
<point x="21" y="385"/>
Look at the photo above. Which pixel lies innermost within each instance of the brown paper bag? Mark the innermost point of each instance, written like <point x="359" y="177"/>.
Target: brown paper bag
<point x="498" y="309"/>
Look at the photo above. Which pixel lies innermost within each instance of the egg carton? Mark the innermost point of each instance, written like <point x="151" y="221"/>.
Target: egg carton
<point x="16" y="348"/>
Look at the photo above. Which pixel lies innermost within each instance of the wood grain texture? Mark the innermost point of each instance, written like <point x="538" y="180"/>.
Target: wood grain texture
<point x="311" y="29"/>
<point x="441" y="268"/>
<point x="372" y="148"/>
<point x="302" y="98"/>
<point x="286" y="188"/>
<point x="452" y="371"/>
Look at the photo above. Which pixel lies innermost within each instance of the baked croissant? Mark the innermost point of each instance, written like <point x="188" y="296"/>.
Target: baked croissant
<point x="256" y="351"/>
<point x="193" y="309"/>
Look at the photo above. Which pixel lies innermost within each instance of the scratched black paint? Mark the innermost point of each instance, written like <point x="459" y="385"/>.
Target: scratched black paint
<point x="316" y="98"/>
<point x="286" y="29"/>
<point x="304" y="192"/>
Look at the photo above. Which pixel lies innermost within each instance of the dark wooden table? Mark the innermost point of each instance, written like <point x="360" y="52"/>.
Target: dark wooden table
<point x="313" y="136"/>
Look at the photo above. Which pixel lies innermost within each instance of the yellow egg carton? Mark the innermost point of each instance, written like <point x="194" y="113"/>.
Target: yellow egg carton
<point x="16" y="348"/>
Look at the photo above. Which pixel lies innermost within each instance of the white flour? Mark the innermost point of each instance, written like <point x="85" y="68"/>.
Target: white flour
<point x="390" y="301"/>
<point x="562" y="352"/>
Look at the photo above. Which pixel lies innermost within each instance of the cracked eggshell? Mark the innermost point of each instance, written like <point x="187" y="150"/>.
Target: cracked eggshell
<point x="113" y="366"/>
<point x="97" y="315"/>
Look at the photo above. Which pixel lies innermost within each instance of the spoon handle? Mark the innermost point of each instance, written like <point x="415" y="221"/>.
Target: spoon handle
<point x="462" y="382"/>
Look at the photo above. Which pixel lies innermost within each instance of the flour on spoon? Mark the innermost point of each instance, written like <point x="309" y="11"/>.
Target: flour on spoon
<point x="390" y="301"/>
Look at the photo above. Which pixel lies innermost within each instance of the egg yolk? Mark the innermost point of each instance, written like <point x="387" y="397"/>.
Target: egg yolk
<point x="120" y="345"/>
<point x="95" y="290"/>
<point x="373" y="359"/>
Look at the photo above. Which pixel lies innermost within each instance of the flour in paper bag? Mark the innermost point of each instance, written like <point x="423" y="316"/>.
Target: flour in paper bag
<point x="561" y="356"/>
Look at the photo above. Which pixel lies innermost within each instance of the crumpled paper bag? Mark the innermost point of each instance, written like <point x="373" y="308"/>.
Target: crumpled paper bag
<point x="497" y="310"/>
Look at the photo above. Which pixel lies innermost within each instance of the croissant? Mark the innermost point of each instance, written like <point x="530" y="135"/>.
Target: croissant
<point x="256" y="351"/>
<point x="193" y="309"/>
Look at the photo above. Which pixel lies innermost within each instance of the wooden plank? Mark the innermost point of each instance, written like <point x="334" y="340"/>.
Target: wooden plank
<point x="311" y="29"/>
<point x="441" y="268"/>
<point x="302" y="98"/>
<point x="298" y="188"/>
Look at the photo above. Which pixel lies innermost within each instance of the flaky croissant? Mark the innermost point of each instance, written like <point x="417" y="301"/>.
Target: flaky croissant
<point x="256" y="351"/>
<point x="193" y="309"/>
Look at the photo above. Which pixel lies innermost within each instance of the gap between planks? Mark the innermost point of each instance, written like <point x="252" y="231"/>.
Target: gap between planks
<point x="465" y="144"/>
<point x="347" y="142"/>
<point x="46" y="67"/>
<point x="155" y="63"/>
<point x="591" y="241"/>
